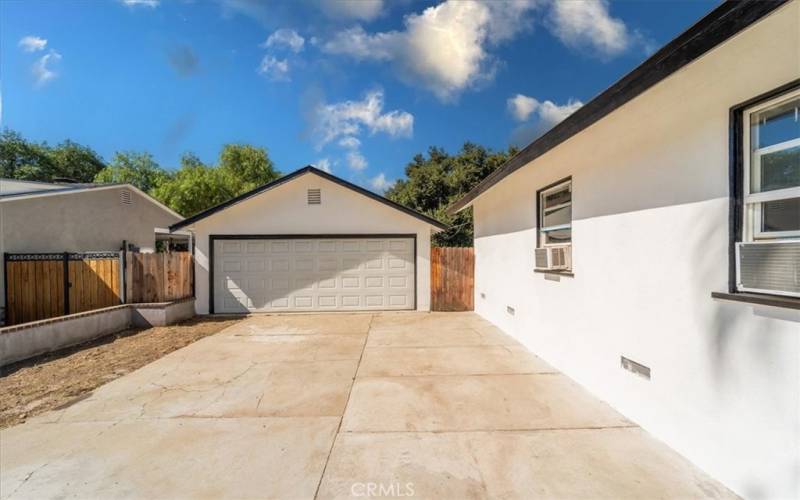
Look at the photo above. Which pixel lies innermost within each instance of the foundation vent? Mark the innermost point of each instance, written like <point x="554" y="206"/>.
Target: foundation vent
<point x="510" y="310"/>
<point x="314" y="197"/>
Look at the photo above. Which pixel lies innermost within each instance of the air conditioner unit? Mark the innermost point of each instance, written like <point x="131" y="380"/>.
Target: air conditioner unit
<point x="554" y="258"/>
<point x="769" y="267"/>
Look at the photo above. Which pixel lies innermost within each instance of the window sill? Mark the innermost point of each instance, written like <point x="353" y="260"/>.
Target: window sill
<point x="759" y="299"/>
<point x="560" y="273"/>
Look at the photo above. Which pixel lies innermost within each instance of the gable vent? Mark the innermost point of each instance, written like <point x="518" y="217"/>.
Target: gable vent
<point x="125" y="197"/>
<point x="314" y="197"/>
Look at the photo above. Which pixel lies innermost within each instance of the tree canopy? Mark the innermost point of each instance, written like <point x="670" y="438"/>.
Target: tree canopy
<point x="434" y="182"/>
<point x="196" y="186"/>
<point x="139" y="169"/>
<point x="31" y="161"/>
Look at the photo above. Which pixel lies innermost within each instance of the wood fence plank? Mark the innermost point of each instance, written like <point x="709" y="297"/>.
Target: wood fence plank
<point x="115" y="281"/>
<point x="76" y="288"/>
<point x="452" y="279"/>
<point x="28" y="289"/>
<point x="11" y="299"/>
<point x="57" y="288"/>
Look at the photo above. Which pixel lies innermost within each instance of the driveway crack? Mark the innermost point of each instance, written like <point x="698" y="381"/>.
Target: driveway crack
<point x="347" y="403"/>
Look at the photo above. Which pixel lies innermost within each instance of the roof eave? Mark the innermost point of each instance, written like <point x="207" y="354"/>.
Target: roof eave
<point x="713" y="29"/>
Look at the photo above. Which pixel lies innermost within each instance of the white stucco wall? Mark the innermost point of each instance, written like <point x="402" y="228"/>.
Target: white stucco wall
<point x="284" y="211"/>
<point x="650" y="234"/>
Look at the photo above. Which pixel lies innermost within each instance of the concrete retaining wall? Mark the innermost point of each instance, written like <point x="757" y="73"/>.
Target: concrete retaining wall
<point x="24" y="341"/>
<point x="162" y="313"/>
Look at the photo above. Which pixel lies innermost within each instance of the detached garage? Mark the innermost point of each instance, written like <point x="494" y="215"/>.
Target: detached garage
<point x="311" y="241"/>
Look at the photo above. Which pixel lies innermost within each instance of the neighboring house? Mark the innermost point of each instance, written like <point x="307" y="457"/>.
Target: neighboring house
<point x="14" y="186"/>
<point x="642" y="198"/>
<point x="309" y="242"/>
<point x="77" y="218"/>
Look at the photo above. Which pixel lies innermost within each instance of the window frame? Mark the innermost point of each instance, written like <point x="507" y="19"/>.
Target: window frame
<point x="752" y="202"/>
<point x="541" y="230"/>
<point x="737" y="173"/>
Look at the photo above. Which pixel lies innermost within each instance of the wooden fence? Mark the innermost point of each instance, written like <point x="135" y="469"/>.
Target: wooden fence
<point x="41" y="286"/>
<point x="159" y="277"/>
<point x="452" y="279"/>
<point x="37" y="284"/>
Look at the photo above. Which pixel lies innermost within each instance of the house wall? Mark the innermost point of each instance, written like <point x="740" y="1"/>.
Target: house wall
<point x="650" y="235"/>
<point x="284" y="210"/>
<point x="79" y="222"/>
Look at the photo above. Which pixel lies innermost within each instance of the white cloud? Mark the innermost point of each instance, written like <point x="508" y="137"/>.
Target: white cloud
<point x="360" y="10"/>
<point x="142" y="3"/>
<point x="360" y="45"/>
<point x="32" y="43"/>
<point x="324" y="164"/>
<point x="552" y="114"/>
<point x="444" y="48"/>
<point x="521" y="106"/>
<point x="42" y="68"/>
<point x="356" y="161"/>
<point x="274" y="69"/>
<point x="588" y="23"/>
<point x="547" y="115"/>
<point x="349" y="142"/>
<point x="285" y="37"/>
<point x="380" y="184"/>
<point x="350" y="118"/>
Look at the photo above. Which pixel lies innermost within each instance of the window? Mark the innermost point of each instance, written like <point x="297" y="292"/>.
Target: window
<point x="765" y="200"/>
<point x="555" y="214"/>
<point x="772" y="169"/>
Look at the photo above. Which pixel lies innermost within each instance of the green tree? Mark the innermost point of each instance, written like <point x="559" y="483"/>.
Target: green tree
<point x="139" y="169"/>
<point x="26" y="160"/>
<point x="71" y="160"/>
<point x="246" y="167"/>
<point x="196" y="186"/>
<point x="434" y="182"/>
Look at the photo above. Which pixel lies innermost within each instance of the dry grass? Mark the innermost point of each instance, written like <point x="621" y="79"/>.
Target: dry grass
<point x="54" y="380"/>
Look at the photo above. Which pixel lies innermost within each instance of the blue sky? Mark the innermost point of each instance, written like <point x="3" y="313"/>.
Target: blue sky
<point x="356" y="86"/>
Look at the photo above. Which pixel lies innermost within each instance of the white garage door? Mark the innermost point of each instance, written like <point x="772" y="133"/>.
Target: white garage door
<point x="273" y="275"/>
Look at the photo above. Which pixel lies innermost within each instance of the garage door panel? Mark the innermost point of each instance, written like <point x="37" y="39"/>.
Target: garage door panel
<point x="350" y="246"/>
<point x="280" y="247"/>
<point x="303" y="264"/>
<point x="255" y="247"/>
<point x="306" y="275"/>
<point x="303" y="246"/>
<point x="279" y="264"/>
<point x="398" y="300"/>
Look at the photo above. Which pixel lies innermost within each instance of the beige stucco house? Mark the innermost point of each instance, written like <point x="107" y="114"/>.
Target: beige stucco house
<point x="43" y="218"/>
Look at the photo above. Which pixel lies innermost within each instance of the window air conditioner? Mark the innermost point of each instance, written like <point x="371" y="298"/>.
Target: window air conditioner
<point x="769" y="267"/>
<point x="554" y="258"/>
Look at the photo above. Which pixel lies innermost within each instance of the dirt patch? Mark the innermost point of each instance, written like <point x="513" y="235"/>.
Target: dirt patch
<point x="54" y="380"/>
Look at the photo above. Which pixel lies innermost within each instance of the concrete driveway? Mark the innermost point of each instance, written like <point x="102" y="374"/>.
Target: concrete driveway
<point x="439" y="405"/>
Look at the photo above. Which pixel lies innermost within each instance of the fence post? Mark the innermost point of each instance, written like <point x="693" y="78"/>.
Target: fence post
<point x="67" y="284"/>
<point x="123" y="261"/>
<point x="5" y="288"/>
